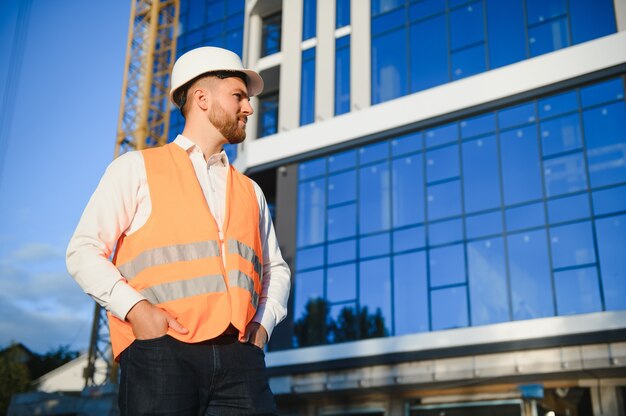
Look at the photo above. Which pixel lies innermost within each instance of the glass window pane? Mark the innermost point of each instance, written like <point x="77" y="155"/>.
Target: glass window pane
<point x="408" y="143"/>
<point x="342" y="251"/>
<point x="567" y="209"/>
<point x="516" y="116"/>
<point x="309" y="21"/>
<point x="375" y="296"/>
<point x="447" y="265"/>
<point x="375" y="245"/>
<point x="426" y="8"/>
<point x="388" y="22"/>
<point x="611" y="243"/>
<point x="341" y="283"/>
<point x="505" y="28"/>
<point x="449" y="308"/>
<point x="271" y="34"/>
<point x="341" y="161"/>
<point x="307" y="87"/>
<point x="577" y="291"/>
<point x="342" y="187"/>
<point x="407" y="190"/>
<point x="382" y="6"/>
<point x="444" y="200"/>
<point x="484" y="224"/>
<point x="477" y="126"/>
<point x="561" y="135"/>
<point x="572" y="245"/>
<point x="602" y="92"/>
<point x="342" y="222"/>
<point x="268" y="115"/>
<point x="605" y="134"/>
<point x="234" y="6"/>
<point x="558" y="104"/>
<point x="548" y="37"/>
<point x="608" y="201"/>
<point x="529" y="269"/>
<point x="564" y="175"/>
<point x="445" y="232"/>
<point x="342" y="13"/>
<point x="489" y="298"/>
<point x="374" y="198"/>
<point x="429" y="53"/>
<point x="346" y="326"/>
<point x="389" y="66"/>
<point x="312" y="169"/>
<point x="591" y="19"/>
<point x="374" y="152"/>
<point x="470" y="61"/>
<point x="342" y="75"/>
<point x="466" y="25"/>
<point x="410" y="293"/>
<point x="309" y="285"/>
<point x="526" y="216"/>
<point x="442" y="163"/>
<point x="311" y="210"/>
<point x="542" y="10"/>
<point x="520" y="165"/>
<point x="481" y="176"/>
<point x="409" y="239"/>
<point x="309" y="258"/>
<point x="442" y="135"/>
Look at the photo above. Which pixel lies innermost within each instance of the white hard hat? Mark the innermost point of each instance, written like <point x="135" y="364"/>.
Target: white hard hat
<point x="210" y="59"/>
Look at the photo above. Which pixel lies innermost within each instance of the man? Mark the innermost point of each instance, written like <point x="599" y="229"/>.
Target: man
<point x="197" y="282"/>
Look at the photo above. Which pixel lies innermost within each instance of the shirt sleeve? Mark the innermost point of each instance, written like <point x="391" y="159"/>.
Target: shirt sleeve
<point x="272" y="308"/>
<point x="107" y="215"/>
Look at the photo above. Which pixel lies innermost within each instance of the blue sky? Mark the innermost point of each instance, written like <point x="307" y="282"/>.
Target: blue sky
<point x="58" y="134"/>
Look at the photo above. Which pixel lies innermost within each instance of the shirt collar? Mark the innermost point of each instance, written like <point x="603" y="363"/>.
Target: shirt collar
<point x="189" y="146"/>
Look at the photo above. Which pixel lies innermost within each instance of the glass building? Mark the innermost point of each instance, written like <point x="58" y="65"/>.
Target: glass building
<point x="448" y="181"/>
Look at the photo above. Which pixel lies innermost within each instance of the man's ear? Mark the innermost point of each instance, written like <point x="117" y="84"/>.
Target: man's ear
<point x="201" y="98"/>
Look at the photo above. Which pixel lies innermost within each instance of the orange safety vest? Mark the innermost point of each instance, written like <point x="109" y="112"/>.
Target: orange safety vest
<point x="175" y="259"/>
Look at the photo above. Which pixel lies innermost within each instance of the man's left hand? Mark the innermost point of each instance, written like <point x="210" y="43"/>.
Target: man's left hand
<point x="256" y="334"/>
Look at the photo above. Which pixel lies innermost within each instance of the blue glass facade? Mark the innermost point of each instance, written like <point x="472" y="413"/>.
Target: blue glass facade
<point x="208" y="23"/>
<point x="513" y="214"/>
<point x="421" y="44"/>
<point x="342" y="75"/>
<point x="307" y="87"/>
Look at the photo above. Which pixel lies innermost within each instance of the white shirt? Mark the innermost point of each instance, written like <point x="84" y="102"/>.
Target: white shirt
<point x="121" y="204"/>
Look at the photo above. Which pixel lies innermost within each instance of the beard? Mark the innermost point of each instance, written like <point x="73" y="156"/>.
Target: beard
<point x="227" y="125"/>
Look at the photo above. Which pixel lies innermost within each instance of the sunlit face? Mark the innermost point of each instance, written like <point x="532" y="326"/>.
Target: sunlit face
<point x="230" y="109"/>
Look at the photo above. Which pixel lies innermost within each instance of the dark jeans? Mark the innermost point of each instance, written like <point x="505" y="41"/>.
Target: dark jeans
<point x="164" y="376"/>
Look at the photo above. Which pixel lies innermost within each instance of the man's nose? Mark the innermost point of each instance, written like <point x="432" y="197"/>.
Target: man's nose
<point x="246" y="108"/>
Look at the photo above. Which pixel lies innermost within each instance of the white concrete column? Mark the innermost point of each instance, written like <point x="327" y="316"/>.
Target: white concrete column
<point x="620" y="14"/>
<point x="605" y="401"/>
<point x="325" y="61"/>
<point x="291" y="67"/>
<point x="360" y="51"/>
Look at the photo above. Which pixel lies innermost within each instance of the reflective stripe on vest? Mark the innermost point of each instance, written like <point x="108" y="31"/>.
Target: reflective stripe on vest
<point x="170" y="254"/>
<point x="242" y="280"/>
<point x="179" y="289"/>
<point x="246" y="252"/>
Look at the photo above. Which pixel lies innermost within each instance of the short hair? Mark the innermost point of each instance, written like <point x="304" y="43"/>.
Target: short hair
<point x="180" y="95"/>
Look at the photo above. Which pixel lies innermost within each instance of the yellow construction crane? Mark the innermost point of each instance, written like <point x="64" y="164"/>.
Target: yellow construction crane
<point x="143" y="122"/>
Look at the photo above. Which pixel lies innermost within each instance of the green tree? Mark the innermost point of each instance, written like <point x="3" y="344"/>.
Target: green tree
<point x="312" y="327"/>
<point x="42" y="364"/>
<point x="14" y="376"/>
<point x="360" y="324"/>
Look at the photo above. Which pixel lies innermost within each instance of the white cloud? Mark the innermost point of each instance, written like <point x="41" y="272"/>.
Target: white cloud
<point x="43" y="309"/>
<point x="36" y="252"/>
